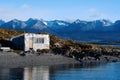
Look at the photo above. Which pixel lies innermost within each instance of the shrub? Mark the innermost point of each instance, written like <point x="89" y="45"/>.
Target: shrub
<point x="43" y="50"/>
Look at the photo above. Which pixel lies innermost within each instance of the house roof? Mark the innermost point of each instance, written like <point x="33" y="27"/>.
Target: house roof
<point x="26" y="34"/>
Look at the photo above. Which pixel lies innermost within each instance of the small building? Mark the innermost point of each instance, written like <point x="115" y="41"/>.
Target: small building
<point x="33" y="41"/>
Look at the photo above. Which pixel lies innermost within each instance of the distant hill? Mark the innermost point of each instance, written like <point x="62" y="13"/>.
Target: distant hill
<point x="88" y="31"/>
<point x="2" y="22"/>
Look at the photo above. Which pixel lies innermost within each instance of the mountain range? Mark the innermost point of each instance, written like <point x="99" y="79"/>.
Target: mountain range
<point x="90" y="31"/>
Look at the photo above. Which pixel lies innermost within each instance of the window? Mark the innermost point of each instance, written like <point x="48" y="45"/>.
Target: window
<point x="38" y="40"/>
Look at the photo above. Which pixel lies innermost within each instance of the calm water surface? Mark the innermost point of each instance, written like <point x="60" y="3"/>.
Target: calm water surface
<point x="108" y="71"/>
<point x="115" y="45"/>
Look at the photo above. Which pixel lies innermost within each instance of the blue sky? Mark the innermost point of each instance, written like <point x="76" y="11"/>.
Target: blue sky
<point x="60" y="9"/>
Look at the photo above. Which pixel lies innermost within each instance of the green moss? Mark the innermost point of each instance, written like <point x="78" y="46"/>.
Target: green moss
<point x="17" y="51"/>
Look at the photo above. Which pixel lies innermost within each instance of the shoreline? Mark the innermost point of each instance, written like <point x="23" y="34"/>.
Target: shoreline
<point x="14" y="60"/>
<point x="10" y="59"/>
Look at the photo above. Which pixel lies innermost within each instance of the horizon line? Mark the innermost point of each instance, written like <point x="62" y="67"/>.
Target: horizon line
<point x="72" y="20"/>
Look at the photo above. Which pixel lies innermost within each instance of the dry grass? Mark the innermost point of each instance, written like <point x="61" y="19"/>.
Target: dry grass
<point x="65" y="46"/>
<point x="6" y="34"/>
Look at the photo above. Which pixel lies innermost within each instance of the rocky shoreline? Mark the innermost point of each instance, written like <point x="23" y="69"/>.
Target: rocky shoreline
<point x="13" y="60"/>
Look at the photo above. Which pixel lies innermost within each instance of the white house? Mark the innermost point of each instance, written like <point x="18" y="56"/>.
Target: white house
<point x="33" y="41"/>
<point x="41" y="73"/>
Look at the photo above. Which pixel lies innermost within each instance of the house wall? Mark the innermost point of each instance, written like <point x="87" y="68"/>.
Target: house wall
<point x="45" y="45"/>
<point x="41" y="73"/>
<point x="22" y="42"/>
<point x="18" y="42"/>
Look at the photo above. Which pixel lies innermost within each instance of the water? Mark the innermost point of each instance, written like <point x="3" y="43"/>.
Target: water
<point x="114" y="45"/>
<point x="107" y="71"/>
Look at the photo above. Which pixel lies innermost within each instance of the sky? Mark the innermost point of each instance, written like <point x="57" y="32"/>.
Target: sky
<point x="60" y="9"/>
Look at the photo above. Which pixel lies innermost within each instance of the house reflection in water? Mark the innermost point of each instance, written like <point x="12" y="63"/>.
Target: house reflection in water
<point x="11" y="74"/>
<point x="41" y="73"/>
<point x="3" y="73"/>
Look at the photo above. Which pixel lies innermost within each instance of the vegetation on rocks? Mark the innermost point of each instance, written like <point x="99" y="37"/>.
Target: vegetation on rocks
<point x="6" y="34"/>
<point x="80" y="50"/>
<point x="77" y="50"/>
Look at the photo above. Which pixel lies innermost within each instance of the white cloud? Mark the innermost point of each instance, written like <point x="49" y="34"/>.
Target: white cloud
<point x="92" y="10"/>
<point x="22" y="12"/>
<point x="26" y="11"/>
<point x="96" y="14"/>
<point x="25" y="6"/>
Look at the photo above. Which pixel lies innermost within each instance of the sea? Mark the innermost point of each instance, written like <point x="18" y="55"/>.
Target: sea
<point x="99" y="71"/>
<point x="104" y="71"/>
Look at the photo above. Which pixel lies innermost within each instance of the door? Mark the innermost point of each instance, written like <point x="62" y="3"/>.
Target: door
<point x="31" y="43"/>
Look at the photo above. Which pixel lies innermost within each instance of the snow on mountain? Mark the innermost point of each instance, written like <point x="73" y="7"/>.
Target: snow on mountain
<point x="60" y="25"/>
<point x="35" y="24"/>
<point x="45" y="23"/>
<point x="105" y="23"/>
<point x="14" y="24"/>
<point x="57" y="23"/>
<point x="97" y="25"/>
<point x="97" y="29"/>
<point x="39" y="25"/>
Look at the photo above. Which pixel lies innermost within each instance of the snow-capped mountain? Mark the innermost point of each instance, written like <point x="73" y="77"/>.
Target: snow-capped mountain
<point x="77" y="25"/>
<point x="82" y="29"/>
<point x="2" y="22"/>
<point x="58" y="24"/>
<point x="117" y="24"/>
<point x="35" y="24"/>
<point x="97" y="25"/>
<point x="31" y="25"/>
<point x="14" y="24"/>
